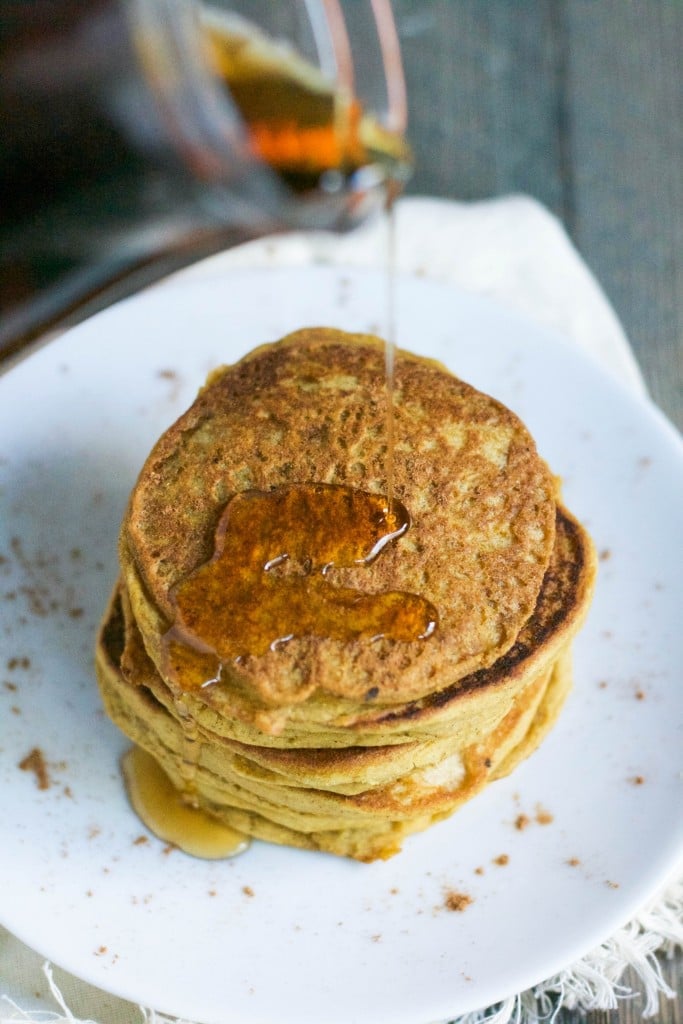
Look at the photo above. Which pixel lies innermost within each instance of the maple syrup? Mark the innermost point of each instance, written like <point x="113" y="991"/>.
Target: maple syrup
<point x="271" y="579"/>
<point x="299" y="122"/>
<point x="161" y="807"/>
<point x="190" y="754"/>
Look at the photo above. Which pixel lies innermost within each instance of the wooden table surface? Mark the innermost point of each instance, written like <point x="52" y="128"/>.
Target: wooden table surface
<point x="578" y="103"/>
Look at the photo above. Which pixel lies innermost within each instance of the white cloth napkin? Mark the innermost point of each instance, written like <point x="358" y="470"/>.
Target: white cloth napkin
<point x="514" y="251"/>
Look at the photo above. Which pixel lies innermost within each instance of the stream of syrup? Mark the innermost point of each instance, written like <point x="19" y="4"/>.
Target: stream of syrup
<point x="390" y="340"/>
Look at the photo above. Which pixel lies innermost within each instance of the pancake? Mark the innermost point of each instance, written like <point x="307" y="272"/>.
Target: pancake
<point x="362" y="801"/>
<point x="308" y="665"/>
<point x="312" y="408"/>
<point x="474" y="703"/>
<point x="368" y="824"/>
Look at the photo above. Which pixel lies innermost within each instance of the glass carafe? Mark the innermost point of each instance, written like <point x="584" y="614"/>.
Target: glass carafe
<point x="137" y="136"/>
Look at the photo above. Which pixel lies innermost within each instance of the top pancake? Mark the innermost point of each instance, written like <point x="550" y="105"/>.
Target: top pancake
<point x="312" y="408"/>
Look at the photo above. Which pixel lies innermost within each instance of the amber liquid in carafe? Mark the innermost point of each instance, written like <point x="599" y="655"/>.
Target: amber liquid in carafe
<point x="311" y="132"/>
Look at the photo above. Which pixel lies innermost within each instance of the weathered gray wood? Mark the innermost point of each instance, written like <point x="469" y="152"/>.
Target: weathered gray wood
<point x="483" y="95"/>
<point x="625" y="98"/>
<point x="580" y="104"/>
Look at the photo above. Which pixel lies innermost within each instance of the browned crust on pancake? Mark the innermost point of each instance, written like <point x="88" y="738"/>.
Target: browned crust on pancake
<point x="562" y="605"/>
<point x="312" y="408"/>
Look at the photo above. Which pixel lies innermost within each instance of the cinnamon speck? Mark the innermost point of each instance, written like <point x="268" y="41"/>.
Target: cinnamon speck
<point x="15" y="663"/>
<point x="639" y="694"/>
<point x="248" y="891"/>
<point x="603" y="684"/>
<point x="167" y="375"/>
<point x="377" y="937"/>
<point x="457" y="902"/>
<point x="479" y="871"/>
<point x="611" y="885"/>
<point x="502" y="860"/>
<point x="637" y="780"/>
<point x="12" y="687"/>
<point x="141" y="841"/>
<point x="605" y="555"/>
<point x="544" y="817"/>
<point x="35" y="762"/>
<point x="522" y="821"/>
<point x="212" y="892"/>
<point x="573" y="862"/>
<point x="101" y="951"/>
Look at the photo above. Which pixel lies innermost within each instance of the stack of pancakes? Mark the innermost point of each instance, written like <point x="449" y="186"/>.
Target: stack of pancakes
<point x="348" y="745"/>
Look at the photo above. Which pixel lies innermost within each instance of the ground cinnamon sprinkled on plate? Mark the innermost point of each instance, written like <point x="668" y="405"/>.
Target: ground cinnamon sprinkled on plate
<point x="637" y="780"/>
<point x="35" y="762"/>
<point x="457" y="901"/>
<point x="22" y="662"/>
<point x="544" y="817"/>
<point x="605" y="555"/>
<point x="501" y="860"/>
<point x="521" y="822"/>
<point x="573" y="862"/>
<point x="247" y="890"/>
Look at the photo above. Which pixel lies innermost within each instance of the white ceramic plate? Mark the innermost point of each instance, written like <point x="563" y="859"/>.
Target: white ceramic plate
<point x="282" y="935"/>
